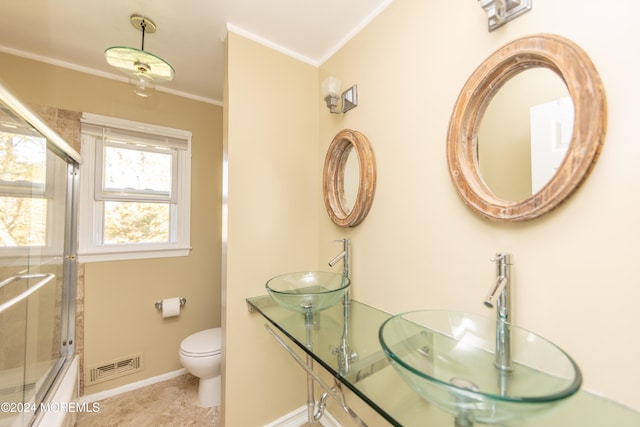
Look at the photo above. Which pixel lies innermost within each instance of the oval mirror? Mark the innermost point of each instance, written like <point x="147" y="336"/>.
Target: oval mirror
<point x="582" y="143"/>
<point x="349" y="178"/>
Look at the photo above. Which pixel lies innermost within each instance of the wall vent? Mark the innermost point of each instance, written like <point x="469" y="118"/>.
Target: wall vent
<point x="115" y="369"/>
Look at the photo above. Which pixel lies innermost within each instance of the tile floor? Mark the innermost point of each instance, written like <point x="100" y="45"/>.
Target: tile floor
<point x="169" y="403"/>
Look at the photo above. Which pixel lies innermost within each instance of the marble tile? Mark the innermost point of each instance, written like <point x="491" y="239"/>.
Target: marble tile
<point x="79" y="338"/>
<point x="167" y="404"/>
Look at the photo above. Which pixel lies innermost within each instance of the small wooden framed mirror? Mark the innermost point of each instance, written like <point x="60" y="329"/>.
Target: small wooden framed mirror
<point x="349" y="178"/>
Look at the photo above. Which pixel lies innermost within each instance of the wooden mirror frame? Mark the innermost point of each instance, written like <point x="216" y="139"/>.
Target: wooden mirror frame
<point x="333" y="178"/>
<point x="577" y="71"/>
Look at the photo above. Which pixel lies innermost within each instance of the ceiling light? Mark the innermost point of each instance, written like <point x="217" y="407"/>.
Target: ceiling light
<point x="143" y="68"/>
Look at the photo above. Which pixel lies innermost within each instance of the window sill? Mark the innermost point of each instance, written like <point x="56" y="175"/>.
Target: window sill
<point x="131" y="255"/>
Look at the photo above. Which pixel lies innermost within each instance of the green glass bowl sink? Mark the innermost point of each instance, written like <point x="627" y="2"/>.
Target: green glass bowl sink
<point x="308" y="291"/>
<point x="448" y="358"/>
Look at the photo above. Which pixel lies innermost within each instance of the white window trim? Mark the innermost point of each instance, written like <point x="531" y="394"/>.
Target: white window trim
<point x="89" y="221"/>
<point x="56" y="208"/>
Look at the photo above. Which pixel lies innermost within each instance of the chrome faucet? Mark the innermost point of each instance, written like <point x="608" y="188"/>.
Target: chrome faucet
<point x="344" y="352"/>
<point x="501" y="294"/>
<point x="345" y="256"/>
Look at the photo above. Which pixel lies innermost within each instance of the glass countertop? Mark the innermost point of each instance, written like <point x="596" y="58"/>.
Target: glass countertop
<point x="370" y="376"/>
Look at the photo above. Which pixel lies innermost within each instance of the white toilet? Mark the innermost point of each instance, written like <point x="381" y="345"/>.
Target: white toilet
<point x="201" y="354"/>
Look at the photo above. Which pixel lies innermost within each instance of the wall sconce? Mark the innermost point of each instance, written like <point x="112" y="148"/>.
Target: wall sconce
<point x="331" y="94"/>
<point x="499" y="12"/>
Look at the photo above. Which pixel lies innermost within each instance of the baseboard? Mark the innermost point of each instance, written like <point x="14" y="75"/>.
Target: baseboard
<point x="298" y="417"/>
<point x="132" y="386"/>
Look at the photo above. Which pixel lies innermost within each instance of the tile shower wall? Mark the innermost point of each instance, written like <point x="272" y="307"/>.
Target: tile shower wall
<point x="67" y="124"/>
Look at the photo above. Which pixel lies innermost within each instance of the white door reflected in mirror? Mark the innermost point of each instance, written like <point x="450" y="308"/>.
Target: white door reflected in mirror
<point x="551" y="130"/>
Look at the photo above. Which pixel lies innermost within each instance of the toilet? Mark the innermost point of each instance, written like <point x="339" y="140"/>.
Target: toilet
<point x="201" y="355"/>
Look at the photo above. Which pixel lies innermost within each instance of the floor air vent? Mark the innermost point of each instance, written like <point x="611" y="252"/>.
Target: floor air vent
<point x="115" y="369"/>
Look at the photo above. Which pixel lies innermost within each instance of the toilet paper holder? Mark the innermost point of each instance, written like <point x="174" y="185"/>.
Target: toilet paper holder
<point x="158" y="304"/>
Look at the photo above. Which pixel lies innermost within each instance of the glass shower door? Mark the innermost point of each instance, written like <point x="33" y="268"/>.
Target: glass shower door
<point x="35" y="296"/>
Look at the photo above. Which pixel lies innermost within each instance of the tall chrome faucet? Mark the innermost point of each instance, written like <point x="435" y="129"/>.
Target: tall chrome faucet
<point x="344" y="352"/>
<point x="345" y="256"/>
<point x="500" y="292"/>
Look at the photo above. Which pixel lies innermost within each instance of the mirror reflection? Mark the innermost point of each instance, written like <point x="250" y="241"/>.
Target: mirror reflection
<point x="525" y="133"/>
<point x="351" y="181"/>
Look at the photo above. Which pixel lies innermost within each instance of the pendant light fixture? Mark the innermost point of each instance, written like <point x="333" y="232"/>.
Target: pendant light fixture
<point x="143" y="68"/>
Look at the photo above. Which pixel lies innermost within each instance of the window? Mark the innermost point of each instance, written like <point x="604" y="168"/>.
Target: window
<point x="134" y="190"/>
<point x="32" y="192"/>
<point x="24" y="192"/>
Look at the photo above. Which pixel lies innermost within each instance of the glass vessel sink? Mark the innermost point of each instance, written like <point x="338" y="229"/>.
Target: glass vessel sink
<point x="448" y="358"/>
<point x="308" y="291"/>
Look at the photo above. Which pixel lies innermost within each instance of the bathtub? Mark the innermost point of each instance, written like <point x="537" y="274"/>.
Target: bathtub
<point x="61" y="406"/>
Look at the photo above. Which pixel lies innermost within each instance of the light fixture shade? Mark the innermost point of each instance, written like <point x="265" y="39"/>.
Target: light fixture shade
<point x="331" y="86"/>
<point x="144" y="86"/>
<point x="133" y="62"/>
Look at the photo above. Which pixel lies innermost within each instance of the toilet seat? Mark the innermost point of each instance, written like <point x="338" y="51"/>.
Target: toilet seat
<point x="202" y="344"/>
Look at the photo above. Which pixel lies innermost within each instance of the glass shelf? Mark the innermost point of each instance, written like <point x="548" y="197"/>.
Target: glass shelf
<point x="370" y="376"/>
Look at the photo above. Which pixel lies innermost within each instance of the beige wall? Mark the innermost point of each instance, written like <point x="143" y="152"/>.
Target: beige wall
<point x="574" y="273"/>
<point x="120" y="317"/>
<point x="271" y="103"/>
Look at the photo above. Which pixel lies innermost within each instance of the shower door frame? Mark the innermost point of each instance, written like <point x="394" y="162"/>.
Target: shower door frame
<point x="46" y="382"/>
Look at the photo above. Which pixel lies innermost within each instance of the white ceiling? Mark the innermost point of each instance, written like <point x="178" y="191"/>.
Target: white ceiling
<point x="75" y="33"/>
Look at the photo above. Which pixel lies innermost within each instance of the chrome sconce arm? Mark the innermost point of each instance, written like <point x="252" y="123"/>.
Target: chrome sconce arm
<point x="499" y="12"/>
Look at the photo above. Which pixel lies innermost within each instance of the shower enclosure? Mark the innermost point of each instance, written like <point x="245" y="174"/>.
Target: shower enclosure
<point x="38" y="177"/>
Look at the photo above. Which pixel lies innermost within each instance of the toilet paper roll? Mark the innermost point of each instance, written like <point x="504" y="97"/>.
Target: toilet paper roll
<point x="170" y="307"/>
